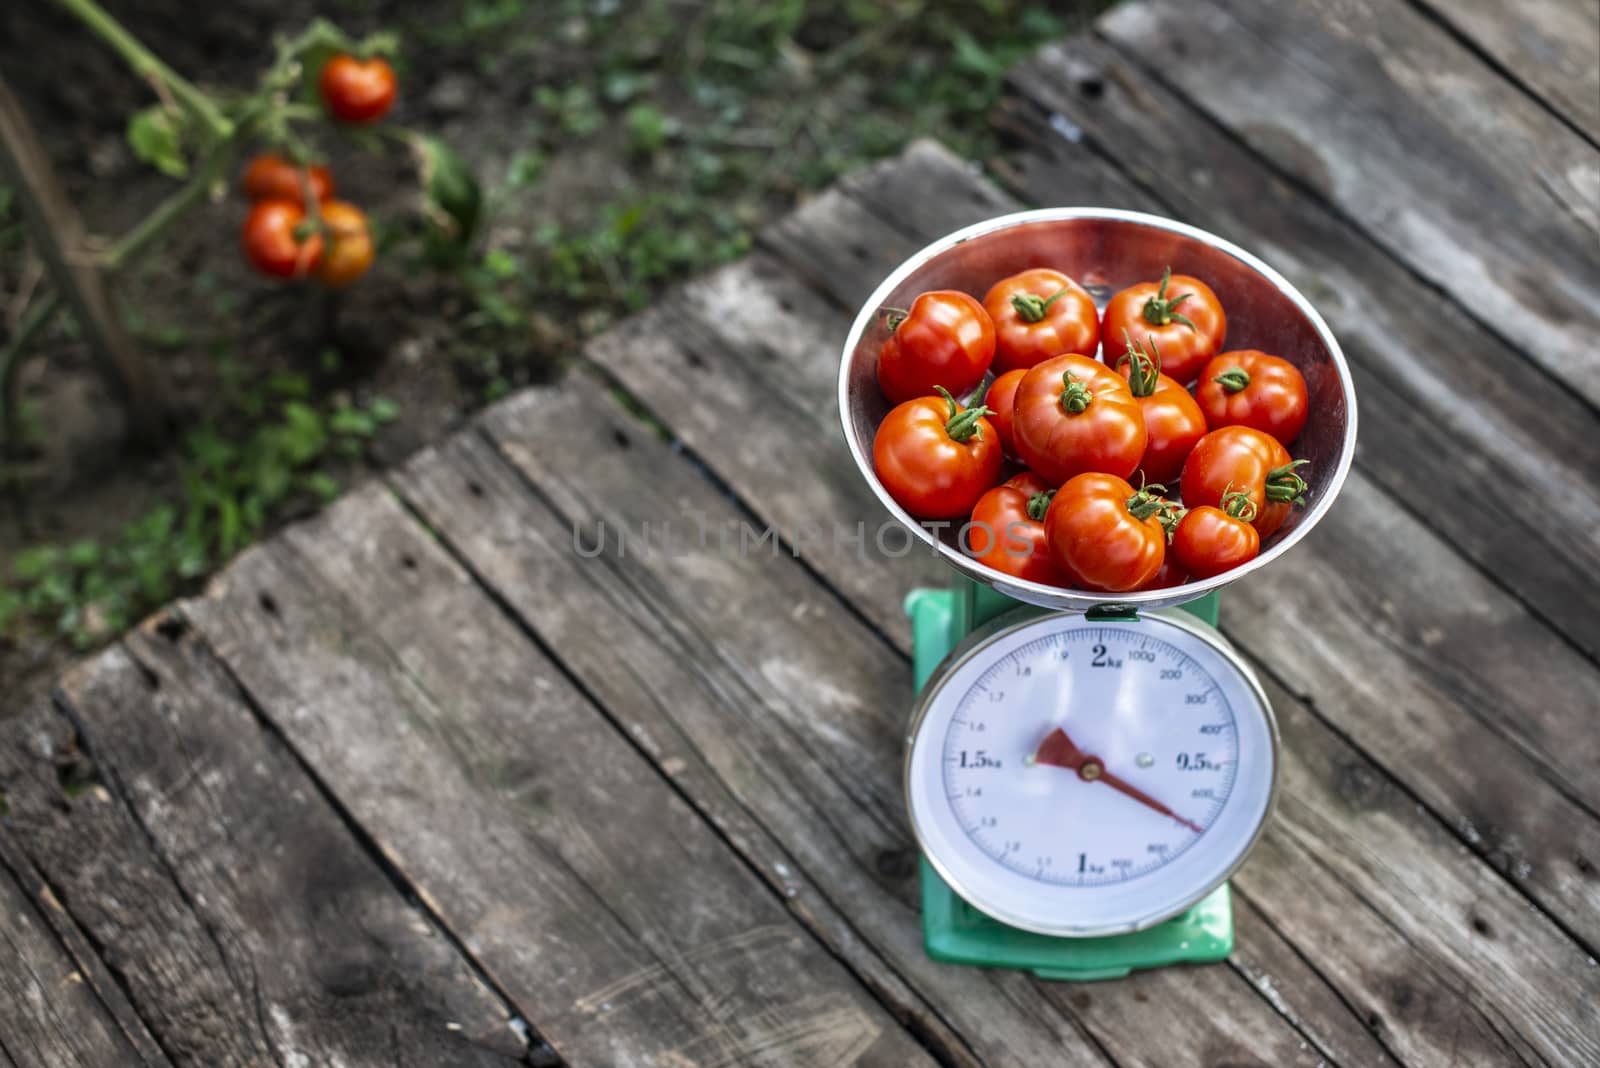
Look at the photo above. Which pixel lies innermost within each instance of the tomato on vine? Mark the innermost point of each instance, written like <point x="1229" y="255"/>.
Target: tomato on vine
<point x="272" y="177"/>
<point x="1251" y="388"/>
<point x="1074" y="414"/>
<point x="1001" y="401"/>
<point x="945" y="340"/>
<point x="349" y="249"/>
<point x="936" y="458"/>
<point x="1172" y="420"/>
<point x="1106" y="534"/>
<point x="1007" y="531"/>
<point x="1242" y="458"/>
<point x="1210" y="540"/>
<point x="1180" y="314"/>
<point x="357" y="91"/>
<point x="1038" y="314"/>
<point x="278" y="240"/>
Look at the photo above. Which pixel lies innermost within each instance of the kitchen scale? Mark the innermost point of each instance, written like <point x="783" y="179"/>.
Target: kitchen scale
<point x="1064" y="771"/>
<point x="1084" y="771"/>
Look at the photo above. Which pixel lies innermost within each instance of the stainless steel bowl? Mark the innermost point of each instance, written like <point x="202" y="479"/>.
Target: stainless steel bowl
<point x="1107" y="250"/>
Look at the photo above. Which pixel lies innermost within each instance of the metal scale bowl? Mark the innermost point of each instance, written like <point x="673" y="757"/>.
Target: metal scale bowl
<point x="1105" y="250"/>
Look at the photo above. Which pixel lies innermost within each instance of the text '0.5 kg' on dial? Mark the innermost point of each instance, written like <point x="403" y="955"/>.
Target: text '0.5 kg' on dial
<point x="1084" y="778"/>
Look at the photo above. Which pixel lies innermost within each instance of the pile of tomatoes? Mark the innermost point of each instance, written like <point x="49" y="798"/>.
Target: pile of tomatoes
<point x="1131" y="480"/>
<point x="295" y="228"/>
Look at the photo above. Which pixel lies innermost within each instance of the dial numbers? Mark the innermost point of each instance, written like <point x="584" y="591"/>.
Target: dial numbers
<point x="1149" y="713"/>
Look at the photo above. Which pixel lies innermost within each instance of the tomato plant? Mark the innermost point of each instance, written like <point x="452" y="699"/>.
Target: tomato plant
<point x="1074" y="414"/>
<point x="1179" y="314"/>
<point x="1242" y="458"/>
<point x="1038" y="314"/>
<point x="349" y="244"/>
<point x="1007" y="530"/>
<point x="945" y="339"/>
<point x="1251" y="388"/>
<point x="278" y="240"/>
<point x="357" y="90"/>
<point x="1210" y="540"/>
<point x="1000" y="400"/>
<point x="272" y="177"/>
<point x="936" y="458"/>
<point x="1172" y="420"/>
<point x="1106" y="534"/>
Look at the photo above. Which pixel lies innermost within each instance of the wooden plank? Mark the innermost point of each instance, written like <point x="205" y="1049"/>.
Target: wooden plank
<point x="247" y="924"/>
<point x="1549" y="46"/>
<point x="49" y="1014"/>
<point x="597" y="898"/>
<point x="1489" y="776"/>
<point x="781" y="698"/>
<point x="820" y="825"/>
<point x="1376" y="108"/>
<point x="1432" y="1026"/>
<point x="724" y="361"/>
<point x="1438" y="420"/>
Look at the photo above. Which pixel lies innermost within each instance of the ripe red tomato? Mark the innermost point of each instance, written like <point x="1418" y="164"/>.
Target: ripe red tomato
<point x="1172" y="419"/>
<point x="935" y="458"/>
<point x="1242" y="458"/>
<point x="270" y="242"/>
<point x="1000" y="400"/>
<point x="1171" y="574"/>
<point x="1074" y="414"/>
<point x="271" y="177"/>
<point x="1039" y="314"/>
<point x="1251" y="388"/>
<point x="1209" y="541"/>
<point x="357" y="91"/>
<point x="350" y="250"/>
<point x="1179" y="314"/>
<point x="1007" y="531"/>
<point x="946" y="339"/>
<point x="1106" y="534"/>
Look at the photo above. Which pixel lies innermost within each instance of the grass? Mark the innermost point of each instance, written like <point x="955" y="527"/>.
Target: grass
<point x="696" y="125"/>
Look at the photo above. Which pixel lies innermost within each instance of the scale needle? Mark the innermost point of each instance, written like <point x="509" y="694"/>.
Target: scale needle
<point x="1059" y="750"/>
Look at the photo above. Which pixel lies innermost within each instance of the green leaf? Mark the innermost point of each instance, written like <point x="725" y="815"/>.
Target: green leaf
<point x="649" y="128"/>
<point x="454" y="198"/>
<point x="353" y="422"/>
<point x="499" y="263"/>
<point x="155" y="137"/>
<point x="383" y="409"/>
<point x="31" y="565"/>
<point x="322" y="485"/>
<point x="304" y="436"/>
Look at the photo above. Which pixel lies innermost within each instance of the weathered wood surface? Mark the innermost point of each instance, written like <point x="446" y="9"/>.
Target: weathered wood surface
<point x="568" y="865"/>
<point x="1550" y="46"/>
<point x="1442" y="162"/>
<point x="246" y="924"/>
<point x="429" y="780"/>
<point x="50" y="1013"/>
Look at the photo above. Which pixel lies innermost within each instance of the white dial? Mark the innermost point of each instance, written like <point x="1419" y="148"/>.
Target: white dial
<point x="1083" y="778"/>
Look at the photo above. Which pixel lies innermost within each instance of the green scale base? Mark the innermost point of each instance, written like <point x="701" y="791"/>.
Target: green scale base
<point x="955" y="932"/>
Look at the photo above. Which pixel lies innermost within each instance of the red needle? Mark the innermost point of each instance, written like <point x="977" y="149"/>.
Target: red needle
<point x="1060" y="751"/>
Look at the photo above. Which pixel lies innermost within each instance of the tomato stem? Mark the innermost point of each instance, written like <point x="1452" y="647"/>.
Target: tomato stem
<point x="1285" y="484"/>
<point x="893" y="317"/>
<point x="963" y="422"/>
<point x="1039" y="504"/>
<point x="1234" y="379"/>
<point x="1031" y="308"/>
<point x="1158" y="309"/>
<point x="1144" y="372"/>
<point x="1147" y="501"/>
<point x="1238" y="504"/>
<point x="1075" y="396"/>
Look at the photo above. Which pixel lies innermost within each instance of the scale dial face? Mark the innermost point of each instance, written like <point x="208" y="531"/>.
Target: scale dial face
<point x="1085" y="778"/>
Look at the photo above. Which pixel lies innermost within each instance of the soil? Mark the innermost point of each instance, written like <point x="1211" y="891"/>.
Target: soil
<point x="469" y="73"/>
